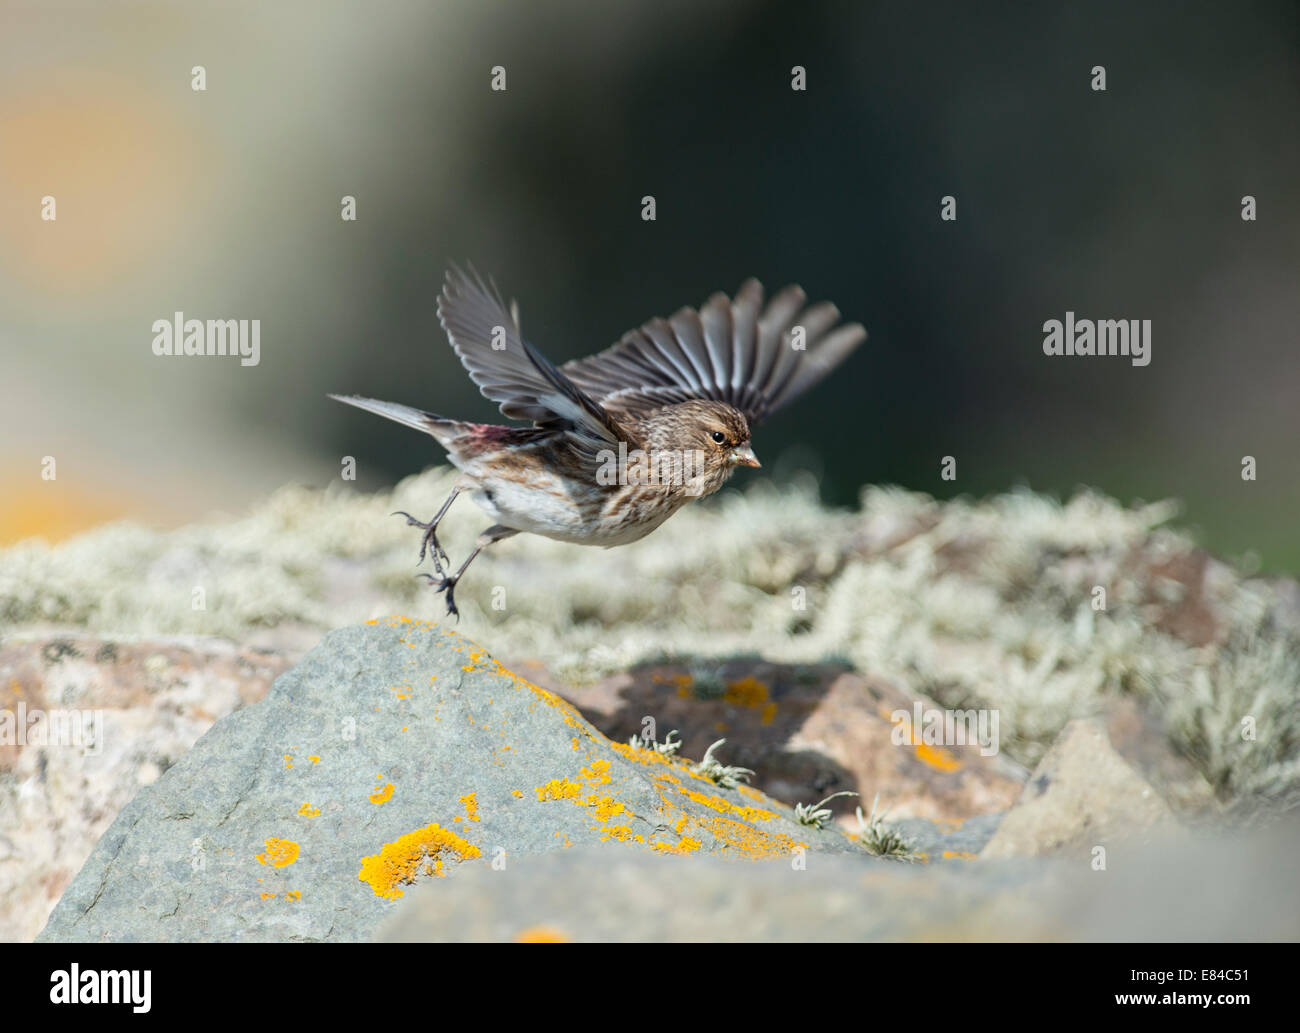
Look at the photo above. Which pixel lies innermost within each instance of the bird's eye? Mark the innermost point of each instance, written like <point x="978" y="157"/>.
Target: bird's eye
<point x="719" y="437"/>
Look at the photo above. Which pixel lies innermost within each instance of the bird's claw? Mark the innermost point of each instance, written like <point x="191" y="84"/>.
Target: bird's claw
<point x="448" y="585"/>
<point x="429" y="543"/>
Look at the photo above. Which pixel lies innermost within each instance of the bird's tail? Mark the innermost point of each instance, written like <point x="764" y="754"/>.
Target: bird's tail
<point x="441" y="428"/>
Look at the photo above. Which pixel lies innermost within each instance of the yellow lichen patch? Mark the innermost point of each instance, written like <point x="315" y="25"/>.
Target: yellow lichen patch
<point x="650" y="758"/>
<point x="559" y="789"/>
<point x="382" y="794"/>
<point x="294" y="895"/>
<point x="574" y="743"/>
<point x="470" y="802"/>
<point x="685" y="845"/>
<point x="401" y="691"/>
<point x="308" y="811"/>
<point x="750" y="842"/>
<point x="288" y="760"/>
<point x="752" y="693"/>
<point x="598" y="773"/>
<point x="623" y="834"/>
<point x="606" y="807"/>
<point x="722" y="806"/>
<point x="268" y="896"/>
<point x="540" y="934"/>
<point x="400" y="861"/>
<point x="958" y="855"/>
<point x="280" y="853"/>
<point x="313" y="758"/>
<point x="517" y="792"/>
<point x="936" y="757"/>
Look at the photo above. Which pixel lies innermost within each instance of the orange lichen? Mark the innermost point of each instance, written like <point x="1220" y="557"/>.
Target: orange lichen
<point x="313" y="758"/>
<point x="280" y="853"/>
<point x="268" y="896"/>
<point x="936" y="757"/>
<point x="958" y="855"/>
<point x="421" y="851"/>
<point x="623" y="834"/>
<point x="517" y="792"/>
<point x="685" y="845"/>
<point x="308" y="811"/>
<point x="382" y="794"/>
<point x="722" y="806"/>
<point x="598" y="773"/>
<point x="607" y="807"/>
<point x="540" y="934"/>
<point x="294" y="895"/>
<point x="470" y="802"/>
<point x="288" y="760"/>
<point x="752" y="693"/>
<point x="559" y="789"/>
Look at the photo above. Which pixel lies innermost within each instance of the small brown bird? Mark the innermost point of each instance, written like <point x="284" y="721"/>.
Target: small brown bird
<point x="621" y="440"/>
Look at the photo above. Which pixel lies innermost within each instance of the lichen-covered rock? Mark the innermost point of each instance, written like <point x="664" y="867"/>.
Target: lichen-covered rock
<point x="394" y="752"/>
<point x="1041" y="609"/>
<point x="85" y="721"/>
<point x="808" y="731"/>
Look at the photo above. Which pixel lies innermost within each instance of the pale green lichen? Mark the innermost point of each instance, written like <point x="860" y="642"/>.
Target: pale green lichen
<point x="974" y="603"/>
<point x="818" y="815"/>
<point x="726" y="775"/>
<point x="667" y="748"/>
<point x="883" y="840"/>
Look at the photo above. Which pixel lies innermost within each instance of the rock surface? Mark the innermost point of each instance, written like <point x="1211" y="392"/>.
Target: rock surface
<point x="84" y="723"/>
<point x="807" y="731"/>
<point x="1236" y="886"/>
<point x="392" y="753"/>
<point x="1082" y="795"/>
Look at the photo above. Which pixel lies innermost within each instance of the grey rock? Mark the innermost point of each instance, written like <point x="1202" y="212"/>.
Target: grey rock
<point x="1082" y="795"/>
<point x="1235" y="883"/>
<point x="393" y="753"/>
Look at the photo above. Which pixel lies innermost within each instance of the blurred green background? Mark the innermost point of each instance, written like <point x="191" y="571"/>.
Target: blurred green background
<point x="225" y="204"/>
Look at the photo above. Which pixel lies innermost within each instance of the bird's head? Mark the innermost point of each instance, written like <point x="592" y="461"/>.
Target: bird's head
<point x="712" y="436"/>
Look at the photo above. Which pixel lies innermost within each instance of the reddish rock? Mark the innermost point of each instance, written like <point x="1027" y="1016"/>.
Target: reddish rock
<point x="807" y="731"/>
<point x="84" y="723"/>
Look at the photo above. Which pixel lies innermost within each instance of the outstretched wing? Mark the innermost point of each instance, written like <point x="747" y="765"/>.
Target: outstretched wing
<point x="510" y="371"/>
<point x="738" y="352"/>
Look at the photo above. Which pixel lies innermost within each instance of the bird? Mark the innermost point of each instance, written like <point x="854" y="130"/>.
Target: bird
<point x="617" y="442"/>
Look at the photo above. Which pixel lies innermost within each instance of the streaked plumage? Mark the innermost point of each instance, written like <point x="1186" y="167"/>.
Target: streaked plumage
<point x="682" y="393"/>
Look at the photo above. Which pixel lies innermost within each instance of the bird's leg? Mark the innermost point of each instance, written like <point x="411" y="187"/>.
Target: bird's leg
<point x="448" y="584"/>
<point x="430" y="539"/>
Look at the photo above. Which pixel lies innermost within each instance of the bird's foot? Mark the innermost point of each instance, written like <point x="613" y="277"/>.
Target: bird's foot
<point x="448" y="585"/>
<point x="429" y="543"/>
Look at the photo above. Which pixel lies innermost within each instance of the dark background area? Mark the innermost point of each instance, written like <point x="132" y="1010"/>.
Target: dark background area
<point x="1123" y="204"/>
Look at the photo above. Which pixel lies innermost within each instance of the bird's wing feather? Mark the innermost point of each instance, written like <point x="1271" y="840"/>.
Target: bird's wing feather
<point x="732" y="350"/>
<point x="514" y="374"/>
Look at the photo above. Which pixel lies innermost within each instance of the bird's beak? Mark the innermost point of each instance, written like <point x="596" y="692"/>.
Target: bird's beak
<point x="744" y="456"/>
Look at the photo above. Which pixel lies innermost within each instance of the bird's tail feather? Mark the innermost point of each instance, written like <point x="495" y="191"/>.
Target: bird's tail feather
<point x="417" y="419"/>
